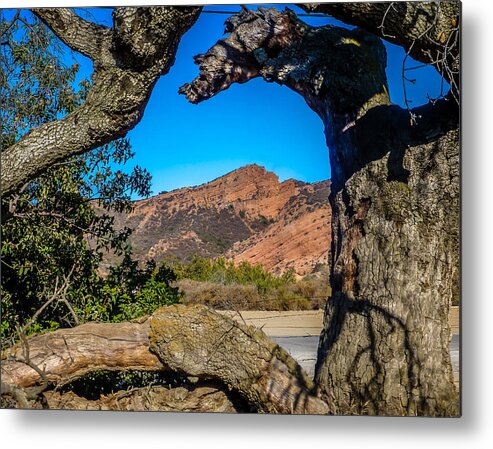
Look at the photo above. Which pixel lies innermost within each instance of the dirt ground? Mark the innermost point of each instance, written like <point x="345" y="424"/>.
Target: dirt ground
<point x="305" y="323"/>
<point x="301" y="323"/>
<point x="454" y="317"/>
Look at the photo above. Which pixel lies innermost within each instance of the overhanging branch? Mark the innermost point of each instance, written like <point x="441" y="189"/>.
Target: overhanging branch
<point x="122" y="84"/>
<point x="428" y="31"/>
<point x="340" y="73"/>
<point x="80" y="35"/>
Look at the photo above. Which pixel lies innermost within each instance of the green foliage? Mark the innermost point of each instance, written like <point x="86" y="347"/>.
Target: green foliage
<point x="288" y="299"/>
<point x="36" y="87"/>
<point x="247" y="297"/>
<point x="53" y="236"/>
<point x="226" y="272"/>
<point x="129" y="292"/>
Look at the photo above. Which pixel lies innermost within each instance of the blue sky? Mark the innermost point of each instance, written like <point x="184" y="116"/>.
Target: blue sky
<point x="183" y="144"/>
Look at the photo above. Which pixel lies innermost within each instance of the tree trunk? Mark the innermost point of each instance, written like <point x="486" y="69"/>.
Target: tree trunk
<point x="395" y="208"/>
<point x="384" y="348"/>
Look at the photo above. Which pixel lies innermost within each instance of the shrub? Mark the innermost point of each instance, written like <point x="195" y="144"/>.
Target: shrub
<point x="220" y="296"/>
<point x="286" y="299"/>
<point x="225" y="272"/>
<point x="222" y="285"/>
<point x="130" y="292"/>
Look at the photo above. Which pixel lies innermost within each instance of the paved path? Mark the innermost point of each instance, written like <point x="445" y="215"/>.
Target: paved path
<point x="455" y="356"/>
<point x="304" y="350"/>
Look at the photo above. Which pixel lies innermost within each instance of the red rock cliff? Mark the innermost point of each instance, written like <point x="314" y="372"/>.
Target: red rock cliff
<point x="244" y="215"/>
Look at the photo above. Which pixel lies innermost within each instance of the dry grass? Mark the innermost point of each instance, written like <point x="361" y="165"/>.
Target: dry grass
<point x="308" y="294"/>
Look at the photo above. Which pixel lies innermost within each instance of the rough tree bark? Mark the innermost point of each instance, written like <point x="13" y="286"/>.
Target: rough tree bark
<point x="194" y="340"/>
<point x="201" y="399"/>
<point x="394" y="197"/>
<point x="428" y="31"/>
<point x="128" y="60"/>
<point x="69" y="354"/>
<point x="215" y="346"/>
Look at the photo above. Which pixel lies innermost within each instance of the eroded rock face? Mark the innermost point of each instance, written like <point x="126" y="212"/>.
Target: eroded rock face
<point x="298" y="239"/>
<point x="244" y="215"/>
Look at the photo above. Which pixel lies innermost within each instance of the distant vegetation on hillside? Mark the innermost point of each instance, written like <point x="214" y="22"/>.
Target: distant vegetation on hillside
<point x="245" y="215"/>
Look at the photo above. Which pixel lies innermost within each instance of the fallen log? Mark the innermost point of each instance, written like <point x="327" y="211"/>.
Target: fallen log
<point x="200" y="342"/>
<point x="193" y="340"/>
<point x="67" y="354"/>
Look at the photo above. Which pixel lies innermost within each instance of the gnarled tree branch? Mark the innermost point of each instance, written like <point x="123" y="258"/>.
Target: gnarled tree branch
<point x="80" y="35"/>
<point x="341" y="75"/>
<point x="428" y="31"/>
<point x="200" y="342"/>
<point x="68" y="354"/>
<point x="127" y="65"/>
<point x="192" y="340"/>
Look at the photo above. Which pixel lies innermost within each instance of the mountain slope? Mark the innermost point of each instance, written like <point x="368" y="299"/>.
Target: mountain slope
<point x="244" y="215"/>
<point x="298" y="239"/>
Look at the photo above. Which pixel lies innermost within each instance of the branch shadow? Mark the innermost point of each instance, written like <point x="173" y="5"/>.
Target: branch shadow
<point x="387" y="129"/>
<point x="370" y="395"/>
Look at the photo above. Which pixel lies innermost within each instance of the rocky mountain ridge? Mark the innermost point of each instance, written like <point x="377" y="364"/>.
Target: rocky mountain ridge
<point x="247" y="214"/>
